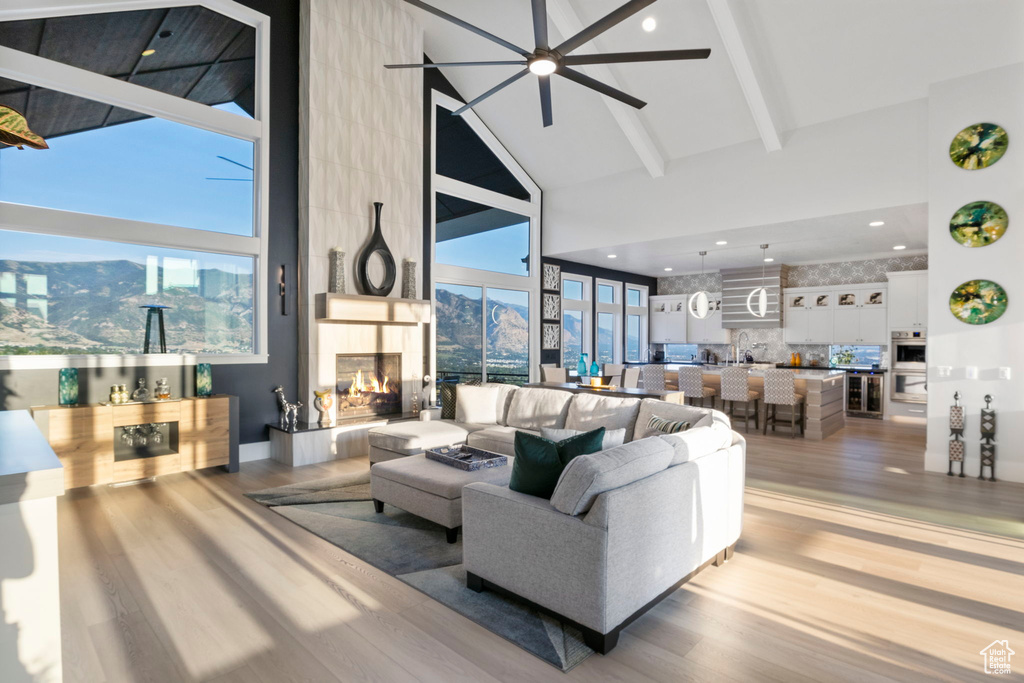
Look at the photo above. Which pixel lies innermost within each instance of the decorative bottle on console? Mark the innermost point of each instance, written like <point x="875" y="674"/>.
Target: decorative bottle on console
<point x="581" y="368"/>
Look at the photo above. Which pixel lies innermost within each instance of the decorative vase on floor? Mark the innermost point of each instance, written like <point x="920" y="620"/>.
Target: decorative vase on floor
<point x="378" y="246"/>
<point x="68" y="387"/>
<point x="336" y="278"/>
<point x="408" y="279"/>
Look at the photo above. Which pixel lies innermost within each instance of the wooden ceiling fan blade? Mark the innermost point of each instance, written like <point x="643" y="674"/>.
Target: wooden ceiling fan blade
<point x="514" y="62"/>
<point x="601" y="25"/>
<point x="507" y="82"/>
<point x="468" y="26"/>
<point x="622" y="57"/>
<point x="540" y="24"/>
<point x="600" y="87"/>
<point x="545" y="99"/>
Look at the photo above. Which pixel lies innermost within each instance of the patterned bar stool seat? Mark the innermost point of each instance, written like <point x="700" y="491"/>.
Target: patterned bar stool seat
<point x="736" y="389"/>
<point x="691" y="383"/>
<point x="653" y="377"/>
<point x="780" y="390"/>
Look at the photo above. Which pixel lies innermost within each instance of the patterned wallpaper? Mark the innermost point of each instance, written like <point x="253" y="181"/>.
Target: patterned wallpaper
<point x="818" y="275"/>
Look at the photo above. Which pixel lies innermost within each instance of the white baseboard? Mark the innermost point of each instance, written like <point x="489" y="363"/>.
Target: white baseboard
<point x="248" y="452"/>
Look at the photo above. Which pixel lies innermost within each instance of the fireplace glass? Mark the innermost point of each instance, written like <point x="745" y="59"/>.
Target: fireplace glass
<point x="369" y="384"/>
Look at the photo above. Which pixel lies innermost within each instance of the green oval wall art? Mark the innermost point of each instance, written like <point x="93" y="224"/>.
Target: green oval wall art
<point x="978" y="224"/>
<point x="978" y="302"/>
<point x="978" y="146"/>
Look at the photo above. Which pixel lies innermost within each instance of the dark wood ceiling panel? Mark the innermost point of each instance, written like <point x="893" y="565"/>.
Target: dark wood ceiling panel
<point x="177" y="82"/>
<point x="223" y="83"/>
<point x="106" y="44"/>
<point x="52" y="113"/>
<point x="21" y="35"/>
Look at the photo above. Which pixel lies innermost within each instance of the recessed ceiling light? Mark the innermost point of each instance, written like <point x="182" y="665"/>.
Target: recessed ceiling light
<point x="146" y="53"/>
<point x="900" y="247"/>
<point x="611" y="255"/>
<point x="721" y="243"/>
<point x="543" y="66"/>
<point x="876" y="224"/>
<point x="769" y="259"/>
<point x="649" y="24"/>
<point x="668" y="270"/>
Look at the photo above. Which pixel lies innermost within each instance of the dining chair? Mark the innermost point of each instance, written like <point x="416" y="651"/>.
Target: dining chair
<point x="780" y="390"/>
<point x="631" y="378"/>
<point x="653" y="377"/>
<point x="691" y="383"/>
<point x="613" y="373"/>
<point x="736" y="389"/>
<point x="551" y="374"/>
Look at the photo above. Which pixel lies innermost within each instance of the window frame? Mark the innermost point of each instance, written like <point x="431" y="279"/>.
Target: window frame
<point x="52" y="75"/>
<point x="585" y="307"/>
<point x="441" y="273"/>
<point x="616" y="309"/>
<point x="642" y="312"/>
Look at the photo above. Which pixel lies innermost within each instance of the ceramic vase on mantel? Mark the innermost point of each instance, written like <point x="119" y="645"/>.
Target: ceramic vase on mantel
<point x="408" y="279"/>
<point x="376" y="246"/>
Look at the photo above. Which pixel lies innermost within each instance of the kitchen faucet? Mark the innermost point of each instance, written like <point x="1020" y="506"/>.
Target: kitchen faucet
<point x="740" y="348"/>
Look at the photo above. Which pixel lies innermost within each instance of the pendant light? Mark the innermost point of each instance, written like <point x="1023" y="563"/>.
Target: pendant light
<point x="757" y="300"/>
<point x="699" y="304"/>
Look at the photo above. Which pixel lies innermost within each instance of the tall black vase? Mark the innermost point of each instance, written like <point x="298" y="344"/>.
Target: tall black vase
<point x="377" y="245"/>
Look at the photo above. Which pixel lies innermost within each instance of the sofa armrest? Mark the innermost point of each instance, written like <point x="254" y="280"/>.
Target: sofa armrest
<point x="525" y="545"/>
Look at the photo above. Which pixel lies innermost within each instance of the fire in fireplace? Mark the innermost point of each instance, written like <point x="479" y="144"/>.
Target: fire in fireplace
<point x="369" y="384"/>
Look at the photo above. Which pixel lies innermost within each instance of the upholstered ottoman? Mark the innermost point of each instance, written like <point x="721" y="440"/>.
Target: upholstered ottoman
<point x="429" y="489"/>
<point x="400" y="439"/>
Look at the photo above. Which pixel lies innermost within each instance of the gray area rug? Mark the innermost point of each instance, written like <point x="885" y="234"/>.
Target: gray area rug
<point x="414" y="550"/>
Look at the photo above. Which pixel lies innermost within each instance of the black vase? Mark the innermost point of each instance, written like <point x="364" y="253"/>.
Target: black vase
<point x="379" y="246"/>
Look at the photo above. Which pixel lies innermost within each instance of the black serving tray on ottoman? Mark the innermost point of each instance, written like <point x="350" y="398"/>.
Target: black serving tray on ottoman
<point x="466" y="458"/>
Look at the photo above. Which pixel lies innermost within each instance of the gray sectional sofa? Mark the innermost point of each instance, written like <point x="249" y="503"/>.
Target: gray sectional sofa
<point x="624" y="528"/>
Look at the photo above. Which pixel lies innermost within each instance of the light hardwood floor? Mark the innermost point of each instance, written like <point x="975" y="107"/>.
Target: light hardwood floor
<point x="853" y="565"/>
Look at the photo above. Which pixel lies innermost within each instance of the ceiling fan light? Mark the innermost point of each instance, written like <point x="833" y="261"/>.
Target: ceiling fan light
<point x="761" y="309"/>
<point x="543" y="66"/>
<point x="700" y="305"/>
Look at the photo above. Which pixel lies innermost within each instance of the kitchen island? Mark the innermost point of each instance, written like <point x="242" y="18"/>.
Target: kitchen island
<point x="822" y="389"/>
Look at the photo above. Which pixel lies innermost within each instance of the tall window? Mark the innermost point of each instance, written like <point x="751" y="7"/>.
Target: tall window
<point x="486" y="254"/>
<point x="636" y="323"/>
<point x="152" y="190"/>
<point x="608" y="332"/>
<point x="576" y="312"/>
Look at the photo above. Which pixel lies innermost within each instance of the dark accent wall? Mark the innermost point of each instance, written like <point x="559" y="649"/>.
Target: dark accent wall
<point x="20" y="389"/>
<point x="555" y="356"/>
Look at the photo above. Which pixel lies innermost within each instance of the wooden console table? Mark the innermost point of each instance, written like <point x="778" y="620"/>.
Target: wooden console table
<point x="202" y="432"/>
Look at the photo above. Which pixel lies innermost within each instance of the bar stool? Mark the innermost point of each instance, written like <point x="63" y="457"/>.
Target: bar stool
<point x="691" y="383"/>
<point x="631" y="378"/>
<point x="653" y="377"/>
<point x="736" y="389"/>
<point x="780" y="390"/>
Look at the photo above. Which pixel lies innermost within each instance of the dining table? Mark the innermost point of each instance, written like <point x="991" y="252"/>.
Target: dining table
<point x="670" y="395"/>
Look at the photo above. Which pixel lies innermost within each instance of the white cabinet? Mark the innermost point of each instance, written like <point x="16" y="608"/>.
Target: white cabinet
<point x="668" y="319"/>
<point x="860" y="315"/>
<point x="709" y="330"/>
<point x="908" y="300"/>
<point x="807" y="318"/>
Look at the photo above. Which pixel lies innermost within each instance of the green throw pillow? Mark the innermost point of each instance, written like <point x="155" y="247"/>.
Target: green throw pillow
<point x="539" y="461"/>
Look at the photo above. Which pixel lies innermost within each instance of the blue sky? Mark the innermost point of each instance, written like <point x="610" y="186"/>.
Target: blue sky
<point x="500" y="250"/>
<point x="151" y="170"/>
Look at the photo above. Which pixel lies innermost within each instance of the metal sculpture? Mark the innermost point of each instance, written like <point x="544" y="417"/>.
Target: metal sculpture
<point x="988" y="438"/>
<point x="956" y="434"/>
<point x="289" y="411"/>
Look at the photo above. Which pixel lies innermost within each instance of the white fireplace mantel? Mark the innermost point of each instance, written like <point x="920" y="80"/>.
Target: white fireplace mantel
<point x="356" y="308"/>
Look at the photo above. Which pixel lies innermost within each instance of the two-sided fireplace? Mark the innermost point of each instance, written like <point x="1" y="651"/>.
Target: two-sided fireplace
<point x="369" y="384"/>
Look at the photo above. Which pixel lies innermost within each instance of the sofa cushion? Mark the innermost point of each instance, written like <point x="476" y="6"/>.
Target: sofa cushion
<point x="436" y="478"/>
<point x="539" y="461"/>
<point x="588" y="476"/>
<point x="413" y="437"/>
<point x="698" y="442"/>
<point x="537" y="408"/>
<point x="495" y="438"/>
<point x="505" y="394"/>
<point x="590" y="411"/>
<point x="476" y="404"/>
<point x="612" y="437"/>
<point x="674" y="412"/>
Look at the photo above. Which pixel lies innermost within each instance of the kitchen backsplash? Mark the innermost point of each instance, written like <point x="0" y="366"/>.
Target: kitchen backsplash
<point x="817" y="275"/>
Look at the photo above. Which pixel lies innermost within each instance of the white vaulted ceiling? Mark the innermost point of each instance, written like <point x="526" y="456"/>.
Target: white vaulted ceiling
<point x="813" y="61"/>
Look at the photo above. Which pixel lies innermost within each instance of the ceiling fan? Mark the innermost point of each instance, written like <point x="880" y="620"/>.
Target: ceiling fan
<point x="546" y="60"/>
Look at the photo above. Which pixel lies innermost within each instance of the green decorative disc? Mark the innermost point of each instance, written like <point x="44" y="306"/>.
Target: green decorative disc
<point x="978" y="146"/>
<point x="978" y="224"/>
<point x="978" y="302"/>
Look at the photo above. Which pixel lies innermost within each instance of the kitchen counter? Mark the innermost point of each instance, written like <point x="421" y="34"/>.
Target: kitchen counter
<point x="798" y="373"/>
